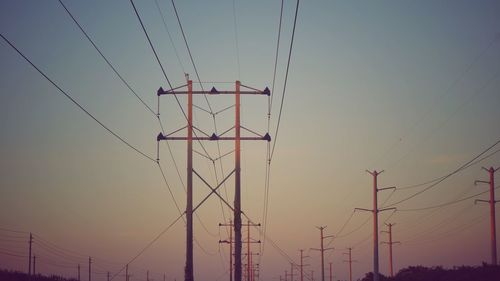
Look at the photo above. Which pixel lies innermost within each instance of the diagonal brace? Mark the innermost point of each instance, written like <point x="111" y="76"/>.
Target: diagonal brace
<point x="214" y="190"/>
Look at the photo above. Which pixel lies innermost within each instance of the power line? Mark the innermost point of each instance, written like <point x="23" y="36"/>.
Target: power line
<point x="436" y="179"/>
<point x="286" y="80"/>
<point x="445" y="177"/>
<point x="190" y="55"/>
<point x="446" y="93"/>
<point x="268" y="150"/>
<point x="236" y="40"/>
<point x="445" y="204"/>
<point x="75" y="102"/>
<point x="149" y="245"/>
<point x="106" y="59"/>
<point x="170" y="37"/>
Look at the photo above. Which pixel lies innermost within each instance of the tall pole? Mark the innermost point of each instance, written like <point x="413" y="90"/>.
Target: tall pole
<point x="237" y="193"/>
<point x="291" y="271"/>
<point x="78" y="272"/>
<point x="390" y="250"/>
<point x="350" y="264"/>
<point x="322" y="256"/>
<point x="29" y="257"/>
<point x="90" y="269"/>
<point x="322" y="250"/>
<point x="375" y="228"/>
<point x="230" y="252"/>
<point x="492" y="217"/>
<point x="331" y="276"/>
<point x="349" y="254"/>
<point x="375" y="212"/>
<point x="390" y="243"/>
<point x="188" y="272"/>
<point x="492" y="202"/>
<point x="302" y="264"/>
<point x="248" y="252"/>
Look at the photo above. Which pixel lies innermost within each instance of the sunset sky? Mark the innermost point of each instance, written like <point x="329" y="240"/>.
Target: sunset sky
<point x="409" y="87"/>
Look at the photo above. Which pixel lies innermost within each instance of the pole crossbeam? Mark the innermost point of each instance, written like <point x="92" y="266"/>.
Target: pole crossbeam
<point x="213" y="91"/>
<point x="237" y="138"/>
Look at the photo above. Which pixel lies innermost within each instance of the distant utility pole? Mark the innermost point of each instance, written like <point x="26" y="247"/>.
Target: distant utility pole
<point x="322" y="250"/>
<point x="230" y="242"/>
<point x="79" y="272"/>
<point x="29" y="257"/>
<point x="331" y="274"/>
<point x="189" y="268"/>
<point x="350" y="261"/>
<point x="90" y="269"/>
<point x="126" y="272"/>
<point x="249" y="266"/>
<point x="492" y="202"/>
<point x="375" y="212"/>
<point x="390" y="243"/>
<point x="302" y="264"/>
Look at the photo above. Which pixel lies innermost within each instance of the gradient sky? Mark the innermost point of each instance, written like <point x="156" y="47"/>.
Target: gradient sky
<point x="410" y="87"/>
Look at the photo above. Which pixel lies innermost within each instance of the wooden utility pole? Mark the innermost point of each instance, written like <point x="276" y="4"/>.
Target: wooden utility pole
<point x="390" y="243"/>
<point x="375" y="212"/>
<point x="189" y="268"/>
<point x="322" y="250"/>
<point x="492" y="201"/>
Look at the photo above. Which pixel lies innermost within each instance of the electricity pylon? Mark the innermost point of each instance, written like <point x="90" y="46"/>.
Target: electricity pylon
<point x="390" y="243"/>
<point x="237" y="138"/>
<point x="322" y="250"/>
<point x="375" y="212"/>
<point x="492" y="202"/>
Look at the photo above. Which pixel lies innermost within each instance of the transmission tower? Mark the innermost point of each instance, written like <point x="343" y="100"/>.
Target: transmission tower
<point x="237" y="138"/>
<point x="492" y="202"/>
<point x="390" y="243"/>
<point x="375" y="212"/>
